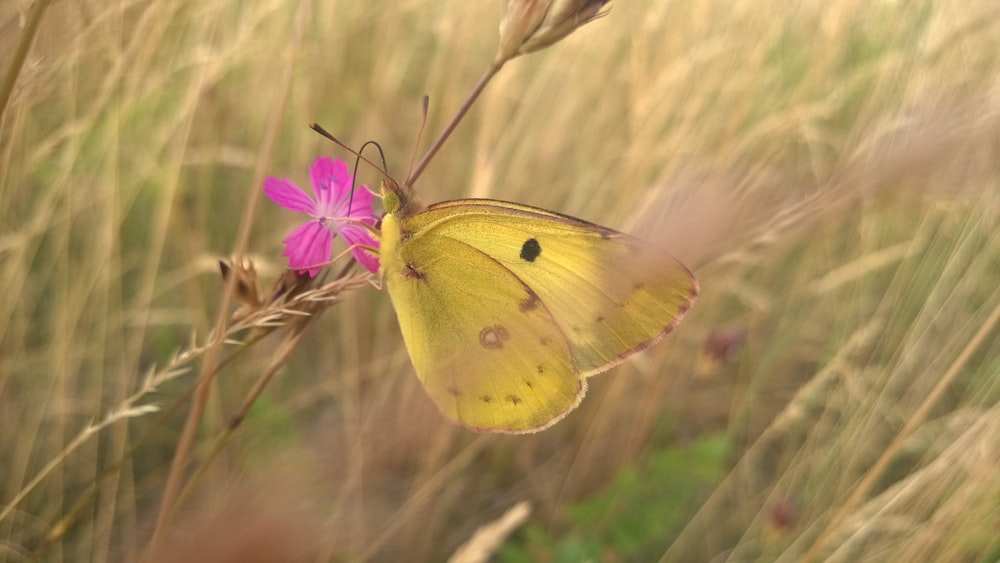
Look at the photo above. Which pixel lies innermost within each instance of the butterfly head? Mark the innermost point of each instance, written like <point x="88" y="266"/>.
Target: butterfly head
<point x="399" y="200"/>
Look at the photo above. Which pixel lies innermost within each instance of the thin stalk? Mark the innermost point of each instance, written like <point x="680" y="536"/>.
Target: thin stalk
<point x="918" y="418"/>
<point x="21" y="54"/>
<point x="185" y="443"/>
<point x="478" y="89"/>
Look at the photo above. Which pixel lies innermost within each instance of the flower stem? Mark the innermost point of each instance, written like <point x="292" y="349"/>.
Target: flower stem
<point x="478" y="89"/>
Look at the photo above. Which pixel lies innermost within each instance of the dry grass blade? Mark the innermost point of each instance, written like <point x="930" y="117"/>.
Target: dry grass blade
<point x="487" y="539"/>
<point x="186" y="441"/>
<point x="831" y="175"/>
<point x="862" y="489"/>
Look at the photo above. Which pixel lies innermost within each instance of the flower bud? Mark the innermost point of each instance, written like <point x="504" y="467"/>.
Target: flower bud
<point x="531" y="25"/>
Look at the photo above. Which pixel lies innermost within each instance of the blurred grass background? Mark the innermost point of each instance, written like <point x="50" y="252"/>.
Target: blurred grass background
<point x="830" y="170"/>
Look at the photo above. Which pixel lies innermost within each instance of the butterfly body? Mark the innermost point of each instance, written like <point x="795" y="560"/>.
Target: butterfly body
<point x="505" y="309"/>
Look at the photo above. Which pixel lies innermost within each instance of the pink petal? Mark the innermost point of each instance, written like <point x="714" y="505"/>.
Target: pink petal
<point x="308" y="247"/>
<point x="360" y="205"/>
<point x="331" y="181"/>
<point x="354" y="236"/>
<point x="288" y="195"/>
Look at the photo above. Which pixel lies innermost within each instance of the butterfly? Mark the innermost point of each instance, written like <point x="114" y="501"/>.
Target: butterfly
<point x="506" y="309"/>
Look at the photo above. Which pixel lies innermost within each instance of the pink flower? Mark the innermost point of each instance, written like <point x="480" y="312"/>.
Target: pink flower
<point x="335" y="210"/>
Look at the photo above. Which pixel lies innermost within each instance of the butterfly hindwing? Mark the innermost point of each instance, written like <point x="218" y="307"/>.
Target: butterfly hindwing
<point x="486" y="348"/>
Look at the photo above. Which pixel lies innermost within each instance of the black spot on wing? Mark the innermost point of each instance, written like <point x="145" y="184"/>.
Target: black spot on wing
<point x="513" y="399"/>
<point x="530" y="250"/>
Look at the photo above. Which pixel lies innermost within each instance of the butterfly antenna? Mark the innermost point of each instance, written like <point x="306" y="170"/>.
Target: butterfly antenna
<point x="384" y="168"/>
<point x="381" y="155"/>
<point x="319" y="129"/>
<point x="420" y="134"/>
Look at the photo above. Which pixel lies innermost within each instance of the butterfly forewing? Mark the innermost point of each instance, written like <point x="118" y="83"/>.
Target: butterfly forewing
<point x="609" y="293"/>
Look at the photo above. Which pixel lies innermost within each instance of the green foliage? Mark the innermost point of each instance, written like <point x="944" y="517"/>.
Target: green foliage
<point x="639" y="513"/>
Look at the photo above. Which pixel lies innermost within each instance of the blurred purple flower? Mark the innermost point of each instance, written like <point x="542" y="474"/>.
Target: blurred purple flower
<point x="335" y="210"/>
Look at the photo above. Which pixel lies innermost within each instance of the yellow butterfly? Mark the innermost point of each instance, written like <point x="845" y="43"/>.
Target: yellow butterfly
<point x="506" y="309"/>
